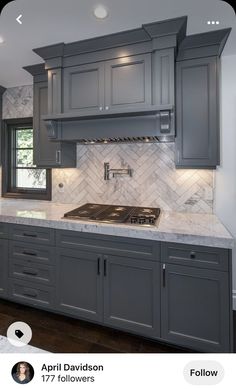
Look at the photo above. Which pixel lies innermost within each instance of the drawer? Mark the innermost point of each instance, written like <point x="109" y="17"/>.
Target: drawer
<point x="29" y="293"/>
<point x="129" y="247"/>
<point x="31" y="234"/>
<point x="4" y="230"/>
<point x="32" y="272"/>
<point x="32" y="253"/>
<point x="197" y="256"/>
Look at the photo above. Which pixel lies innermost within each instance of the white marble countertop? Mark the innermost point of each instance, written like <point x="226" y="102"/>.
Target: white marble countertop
<point x="190" y="228"/>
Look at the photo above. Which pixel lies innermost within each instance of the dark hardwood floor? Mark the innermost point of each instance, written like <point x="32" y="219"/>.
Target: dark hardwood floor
<point x="61" y="334"/>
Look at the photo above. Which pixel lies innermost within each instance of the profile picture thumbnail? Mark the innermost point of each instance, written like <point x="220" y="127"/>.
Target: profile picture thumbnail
<point x="22" y="372"/>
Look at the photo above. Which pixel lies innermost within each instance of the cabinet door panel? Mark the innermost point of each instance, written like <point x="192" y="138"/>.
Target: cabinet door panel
<point x="195" y="308"/>
<point x="3" y="267"/>
<point x="44" y="149"/>
<point x="84" y="88"/>
<point x="128" y="82"/>
<point x="132" y="295"/>
<point x="79" y="285"/>
<point x="197" y="113"/>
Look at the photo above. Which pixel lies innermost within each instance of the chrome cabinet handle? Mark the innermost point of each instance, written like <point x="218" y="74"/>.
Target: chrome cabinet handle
<point x="30" y="272"/>
<point x="29" y="253"/>
<point x="164" y="275"/>
<point x="98" y="266"/>
<point x="192" y="255"/>
<point x="106" y="108"/>
<point x="30" y="293"/>
<point x="30" y="235"/>
<point x="105" y="266"/>
<point x="100" y="108"/>
<point x="58" y="156"/>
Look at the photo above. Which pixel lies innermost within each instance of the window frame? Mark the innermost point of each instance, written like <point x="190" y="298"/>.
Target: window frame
<point x="8" y="190"/>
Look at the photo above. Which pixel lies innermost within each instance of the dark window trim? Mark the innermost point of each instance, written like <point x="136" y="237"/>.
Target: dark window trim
<point x="33" y="194"/>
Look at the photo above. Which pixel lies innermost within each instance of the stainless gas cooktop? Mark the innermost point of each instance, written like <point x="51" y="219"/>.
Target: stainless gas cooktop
<point x="115" y="214"/>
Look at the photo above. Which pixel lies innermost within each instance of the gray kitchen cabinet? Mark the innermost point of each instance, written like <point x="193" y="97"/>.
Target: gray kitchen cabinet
<point x="79" y="284"/>
<point x="132" y="295"/>
<point x="48" y="153"/>
<point x="84" y="88"/>
<point x="3" y="230"/>
<point x="107" y="86"/>
<point x="31" y="293"/>
<point x="128" y="83"/>
<point x="3" y="267"/>
<point x="173" y="292"/>
<point x="31" y="265"/>
<point x="2" y="90"/>
<point x="195" y="308"/>
<point x="197" y="108"/>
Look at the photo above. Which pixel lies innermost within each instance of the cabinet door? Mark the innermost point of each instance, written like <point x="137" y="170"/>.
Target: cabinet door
<point x="3" y="267"/>
<point x="132" y="295"/>
<point x="48" y="153"/>
<point x="128" y="83"/>
<point x="84" y="89"/>
<point x="197" y="123"/>
<point x="44" y="150"/>
<point x="1" y="92"/>
<point x="195" y="308"/>
<point x="79" y="284"/>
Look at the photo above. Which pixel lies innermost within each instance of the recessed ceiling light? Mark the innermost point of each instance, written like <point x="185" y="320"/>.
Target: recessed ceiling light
<point x="1" y="40"/>
<point x="100" y="12"/>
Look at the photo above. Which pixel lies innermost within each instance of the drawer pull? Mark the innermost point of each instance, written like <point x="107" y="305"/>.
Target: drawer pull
<point x="30" y="272"/>
<point x="164" y="275"/>
<point x="30" y="293"/>
<point x="29" y="253"/>
<point x="105" y="266"/>
<point x="192" y="255"/>
<point x="98" y="270"/>
<point x="30" y="235"/>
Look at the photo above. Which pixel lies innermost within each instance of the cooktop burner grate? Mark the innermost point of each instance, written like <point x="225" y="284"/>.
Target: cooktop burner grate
<point x="115" y="214"/>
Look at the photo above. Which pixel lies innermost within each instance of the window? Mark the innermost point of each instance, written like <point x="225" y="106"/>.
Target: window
<point x="21" y="177"/>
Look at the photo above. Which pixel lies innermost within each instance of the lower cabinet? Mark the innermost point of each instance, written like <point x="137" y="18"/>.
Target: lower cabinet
<point x="79" y="283"/>
<point x="115" y="290"/>
<point x="176" y="293"/>
<point x="31" y="293"/>
<point x="132" y="294"/>
<point x="195" y="308"/>
<point x="3" y="267"/>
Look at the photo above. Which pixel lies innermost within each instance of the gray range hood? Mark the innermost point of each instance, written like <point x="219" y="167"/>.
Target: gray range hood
<point x="115" y="88"/>
<point x="141" y="126"/>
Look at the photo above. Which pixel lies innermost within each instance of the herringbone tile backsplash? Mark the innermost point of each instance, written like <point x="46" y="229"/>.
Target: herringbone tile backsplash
<point x="155" y="180"/>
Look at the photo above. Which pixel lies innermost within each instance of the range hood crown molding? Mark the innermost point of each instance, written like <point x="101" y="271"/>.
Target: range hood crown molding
<point x="149" y="31"/>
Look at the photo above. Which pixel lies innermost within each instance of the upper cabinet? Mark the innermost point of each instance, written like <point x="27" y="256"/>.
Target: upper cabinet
<point x="108" y="86"/>
<point x="197" y="110"/>
<point x="152" y="83"/>
<point x="197" y="100"/>
<point x="84" y="88"/>
<point x="47" y="153"/>
<point x="2" y="90"/>
<point x="130" y="72"/>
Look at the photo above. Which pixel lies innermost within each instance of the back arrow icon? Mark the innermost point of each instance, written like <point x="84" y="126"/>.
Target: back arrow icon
<point x="18" y="19"/>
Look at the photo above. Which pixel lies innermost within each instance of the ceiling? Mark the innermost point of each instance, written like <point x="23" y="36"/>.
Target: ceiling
<point x="47" y="22"/>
